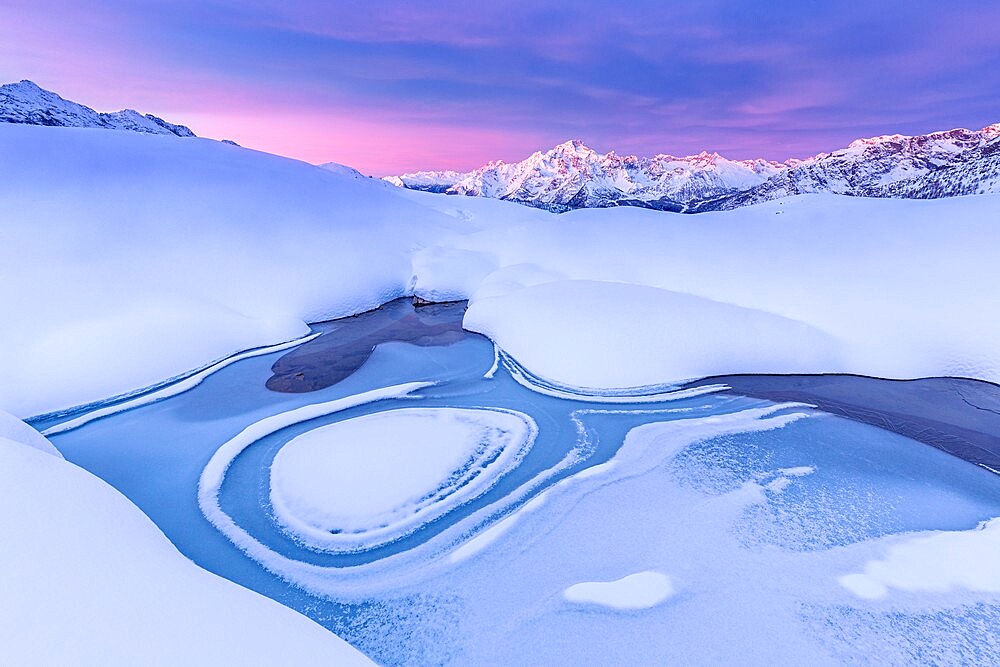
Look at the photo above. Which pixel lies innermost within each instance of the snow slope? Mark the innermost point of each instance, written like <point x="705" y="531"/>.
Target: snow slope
<point x="552" y="326"/>
<point x="12" y="428"/>
<point x="25" y="102"/>
<point x="130" y="258"/>
<point x="89" y="579"/>
<point x="893" y="288"/>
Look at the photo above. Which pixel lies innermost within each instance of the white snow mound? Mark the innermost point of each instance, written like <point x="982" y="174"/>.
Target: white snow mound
<point x="935" y="562"/>
<point x="598" y="334"/>
<point x="12" y="428"/>
<point x="635" y="591"/>
<point x="369" y="480"/>
<point x="93" y="581"/>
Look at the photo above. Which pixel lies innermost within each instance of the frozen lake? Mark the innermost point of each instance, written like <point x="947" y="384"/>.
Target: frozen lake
<point x="403" y="483"/>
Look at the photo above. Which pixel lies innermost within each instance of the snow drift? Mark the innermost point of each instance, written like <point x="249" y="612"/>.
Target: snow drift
<point x="128" y="258"/>
<point x="89" y="579"/>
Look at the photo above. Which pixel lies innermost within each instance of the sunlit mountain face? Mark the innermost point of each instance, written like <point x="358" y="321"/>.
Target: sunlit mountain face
<point x="571" y="175"/>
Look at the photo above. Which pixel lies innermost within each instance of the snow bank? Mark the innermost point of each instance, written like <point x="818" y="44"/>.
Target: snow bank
<point x="893" y="288"/>
<point x="171" y="389"/>
<point x="12" y="428"/>
<point x="597" y="334"/>
<point x="128" y="259"/>
<point x="367" y="481"/>
<point x="641" y="590"/>
<point x="937" y="562"/>
<point x="89" y="579"/>
<point x="161" y="256"/>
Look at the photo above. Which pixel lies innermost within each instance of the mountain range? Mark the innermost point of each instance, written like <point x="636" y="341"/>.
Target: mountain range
<point x="571" y="175"/>
<point x="27" y="103"/>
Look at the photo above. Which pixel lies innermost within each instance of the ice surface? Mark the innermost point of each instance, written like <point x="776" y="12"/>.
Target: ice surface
<point x="641" y="590"/>
<point x="172" y="389"/>
<point x="364" y="481"/>
<point x="753" y="510"/>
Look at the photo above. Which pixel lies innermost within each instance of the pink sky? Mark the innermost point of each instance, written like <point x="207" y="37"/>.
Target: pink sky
<point x="394" y="86"/>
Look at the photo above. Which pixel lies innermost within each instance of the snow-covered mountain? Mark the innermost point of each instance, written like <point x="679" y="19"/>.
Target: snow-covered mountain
<point x="940" y="164"/>
<point x="28" y="104"/>
<point x="571" y="175"/>
<point x="428" y="181"/>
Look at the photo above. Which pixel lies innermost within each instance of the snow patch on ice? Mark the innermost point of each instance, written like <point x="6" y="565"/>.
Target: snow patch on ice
<point x="797" y="471"/>
<point x="934" y="562"/>
<point x="363" y="482"/>
<point x="641" y="590"/>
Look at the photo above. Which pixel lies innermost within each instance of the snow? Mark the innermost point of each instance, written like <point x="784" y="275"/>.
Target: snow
<point x="641" y="590"/>
<point x="89" y="579"/>
<point x="366" y="481"/>
<point x="934" y="562"/>
<point x="575" y="175"/>
<point x="172" y="389"/>
<point x="25" y="102"/>
<point x="161" y="256"/>
<point x="641" y="334"/>
<point x="12" y="428"/>
<point x="343" y="170"/>
<point x="571" y="175"/>
<point x="869" y="286"/>
<point x="797" y="471"/>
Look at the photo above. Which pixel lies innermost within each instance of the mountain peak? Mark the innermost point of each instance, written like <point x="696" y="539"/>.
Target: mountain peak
<point x="571" y="146"/>
<point x="571" y="175"/>
<point x="28" y="103"/>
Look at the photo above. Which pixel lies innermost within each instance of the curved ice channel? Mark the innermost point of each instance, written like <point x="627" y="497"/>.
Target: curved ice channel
<point x="480" y="493"/>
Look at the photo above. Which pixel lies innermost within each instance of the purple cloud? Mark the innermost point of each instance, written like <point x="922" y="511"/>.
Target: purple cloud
<point x="395" y="86"/>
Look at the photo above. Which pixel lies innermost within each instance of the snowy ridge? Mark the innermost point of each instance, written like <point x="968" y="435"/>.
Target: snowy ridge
<point x="571" y="175"/>
<point x="28" y="104"/>
<point x="940" y="164"/>
<point x="428" y="181"/>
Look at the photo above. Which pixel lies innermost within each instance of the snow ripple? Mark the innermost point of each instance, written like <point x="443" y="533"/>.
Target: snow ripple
<point x="657" y="393"/>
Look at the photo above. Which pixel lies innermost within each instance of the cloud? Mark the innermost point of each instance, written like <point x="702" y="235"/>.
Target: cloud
<point x="464" y="82"/>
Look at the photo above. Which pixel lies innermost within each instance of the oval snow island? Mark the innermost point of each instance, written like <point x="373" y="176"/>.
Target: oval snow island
<point x="364" y="482"/>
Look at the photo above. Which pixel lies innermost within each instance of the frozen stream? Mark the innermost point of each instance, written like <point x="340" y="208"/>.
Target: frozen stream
<point x="434" y="503"/>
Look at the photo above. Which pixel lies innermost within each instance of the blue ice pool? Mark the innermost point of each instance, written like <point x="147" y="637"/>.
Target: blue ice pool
<point x="752" y="508"/>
